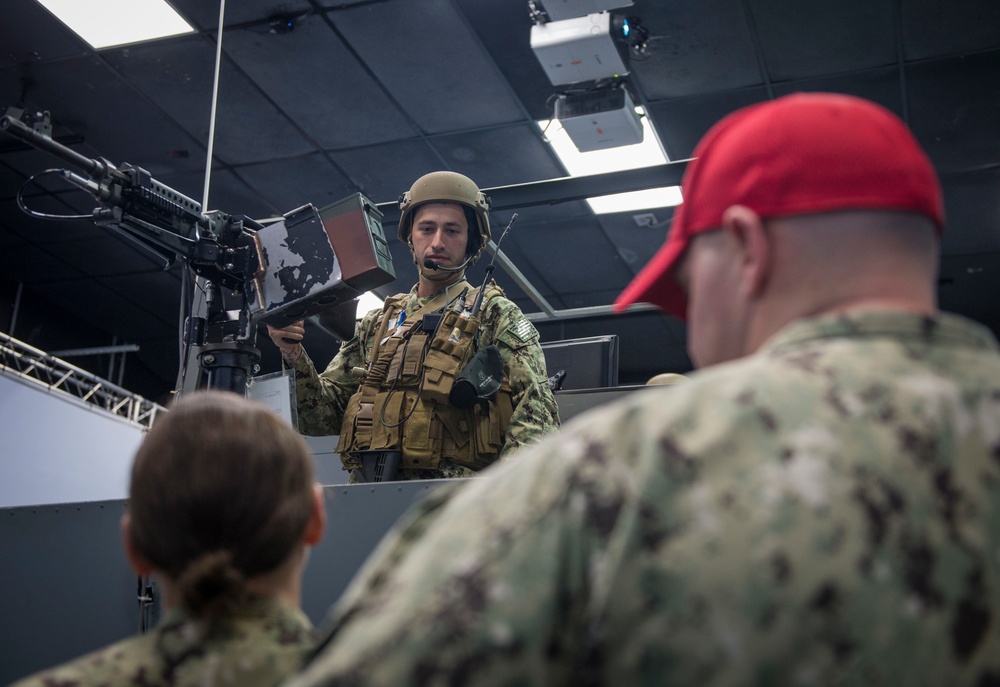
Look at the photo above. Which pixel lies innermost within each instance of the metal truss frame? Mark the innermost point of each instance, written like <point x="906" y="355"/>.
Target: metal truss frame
<point x="38" y="368"/>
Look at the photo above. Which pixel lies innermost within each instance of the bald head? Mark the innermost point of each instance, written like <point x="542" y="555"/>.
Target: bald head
<point x="838" y="260"/>
<point x="747" y="280"/>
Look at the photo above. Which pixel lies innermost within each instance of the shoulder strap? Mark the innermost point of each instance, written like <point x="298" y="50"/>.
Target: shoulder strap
<point x="490" y="292"/>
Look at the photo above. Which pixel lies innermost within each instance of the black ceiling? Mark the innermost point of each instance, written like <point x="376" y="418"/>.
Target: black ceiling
<point x="366" y="96"/>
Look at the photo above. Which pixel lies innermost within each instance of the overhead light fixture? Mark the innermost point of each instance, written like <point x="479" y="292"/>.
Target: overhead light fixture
<point x="108" y="23"/>
<point x="648" y="153"/>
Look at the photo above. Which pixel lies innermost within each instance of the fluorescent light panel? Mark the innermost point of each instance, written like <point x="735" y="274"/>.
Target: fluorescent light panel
<point x="645" y="154"/>
<point x="106" y="23"/>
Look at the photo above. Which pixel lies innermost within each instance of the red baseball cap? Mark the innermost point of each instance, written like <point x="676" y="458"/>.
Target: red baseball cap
<point x="797" y="155"/>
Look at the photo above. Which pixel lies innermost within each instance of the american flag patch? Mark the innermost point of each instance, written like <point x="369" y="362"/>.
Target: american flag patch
<point x="523" y="329"/>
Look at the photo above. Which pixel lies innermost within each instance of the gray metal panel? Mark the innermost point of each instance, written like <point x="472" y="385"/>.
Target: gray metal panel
<point x="357" y="517"/>
<point x="573" y="402"/>
<point x="65" y="586"/>
<point x="79" y="453"/>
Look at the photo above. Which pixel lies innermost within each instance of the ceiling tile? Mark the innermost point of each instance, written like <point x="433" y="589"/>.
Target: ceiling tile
<point x="383" y="182"/>
<point x="35" y="265"/>
<point x="568" y="251"/>
<point x="177" y="75"/>
<point x="934" y="28"/>
<point x="425" y="55"/>
<point x="120" y="312"/>
<point x="505" y="32"/>
<point x="695" y="48"/>
<point x="881" y="86"/>
<point x="800" y="39"/>
<point x="292" y="182"/>
<point x="954" y="108"/>
<point x="972" y="206"/>
<point x="501" y="156"/>
<point x="330" y="95"/>
<point x="29" y="33"/>
<point x="637" y="243"/>
<point x="87" y="98"/>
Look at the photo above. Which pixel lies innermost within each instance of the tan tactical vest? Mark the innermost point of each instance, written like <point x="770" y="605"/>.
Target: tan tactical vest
<point x="402" y="404"/>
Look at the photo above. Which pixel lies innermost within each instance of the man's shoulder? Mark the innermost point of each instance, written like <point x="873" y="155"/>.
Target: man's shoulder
<point x="506" y="319"/>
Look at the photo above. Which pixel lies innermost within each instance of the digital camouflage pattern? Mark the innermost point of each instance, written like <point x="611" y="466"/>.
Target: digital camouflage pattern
<point x="825" y="511"/>
<point x="265" y="642"/>
<point x="321" y="398"/>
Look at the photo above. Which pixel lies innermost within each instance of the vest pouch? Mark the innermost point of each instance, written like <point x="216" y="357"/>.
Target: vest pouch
<point x="447" y="354"/>
<point x="456" y="439"/>
<point x="387" y="420"/>
<point x="490" y="421"/>
<point x="421" y="435"/>
<point x="487" y="431"/>
<point x="352" y="436"/>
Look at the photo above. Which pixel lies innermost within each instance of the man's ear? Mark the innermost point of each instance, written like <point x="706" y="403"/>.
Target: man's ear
<point x="747" y="227"/>
<point x="139" y="564"/>
<point x="317" y="518"/>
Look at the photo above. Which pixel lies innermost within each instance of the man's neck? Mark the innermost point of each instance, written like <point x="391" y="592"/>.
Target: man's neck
<point x="427" y="287"/>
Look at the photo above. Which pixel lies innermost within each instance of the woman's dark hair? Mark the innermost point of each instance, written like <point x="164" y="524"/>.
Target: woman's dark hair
<point x="221" y="491"/>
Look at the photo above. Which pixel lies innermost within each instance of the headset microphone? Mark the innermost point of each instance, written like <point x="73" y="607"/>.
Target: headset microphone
<point x="431" y="265"/>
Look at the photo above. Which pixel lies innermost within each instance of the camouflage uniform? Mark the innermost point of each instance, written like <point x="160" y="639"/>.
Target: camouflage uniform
<point x="825" y="511"/>
<point x="260" y="645"/>
<point x="322" y="397"/>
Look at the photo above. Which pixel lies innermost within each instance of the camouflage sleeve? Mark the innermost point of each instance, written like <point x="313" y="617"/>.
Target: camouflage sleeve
<point x="321" y="398"/>
<point x="535" y="410"/>
<point x="443" y="605"/>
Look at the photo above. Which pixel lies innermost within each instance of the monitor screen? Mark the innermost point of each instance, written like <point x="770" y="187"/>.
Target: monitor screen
<point x="588" y="363"/>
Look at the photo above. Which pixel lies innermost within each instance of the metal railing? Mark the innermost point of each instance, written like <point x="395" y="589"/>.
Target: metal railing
<point x="37" y="367"/>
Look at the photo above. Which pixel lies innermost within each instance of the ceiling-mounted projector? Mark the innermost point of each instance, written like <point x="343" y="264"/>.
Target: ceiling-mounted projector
<point x="556" y="10"/>
<point x="581" y="49"/>
<point x="599" y="119"/>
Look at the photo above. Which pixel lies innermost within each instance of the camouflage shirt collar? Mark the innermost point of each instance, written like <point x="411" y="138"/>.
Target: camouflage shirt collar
<point x="413" y="301"/>
<point x="274" y="610"/>
<point x="940" y="328"/>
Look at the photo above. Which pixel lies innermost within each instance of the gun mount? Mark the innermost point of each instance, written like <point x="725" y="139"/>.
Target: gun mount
<point x="300" y="265"/>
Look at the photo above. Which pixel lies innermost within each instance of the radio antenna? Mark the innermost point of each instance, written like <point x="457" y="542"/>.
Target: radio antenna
<point x="490" y="268"/>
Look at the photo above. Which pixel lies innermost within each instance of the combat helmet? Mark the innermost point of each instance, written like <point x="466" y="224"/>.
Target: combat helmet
<point x="450" y="187"/>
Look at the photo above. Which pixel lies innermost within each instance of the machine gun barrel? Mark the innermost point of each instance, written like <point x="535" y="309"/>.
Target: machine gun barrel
<point x="18" y="129"/>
